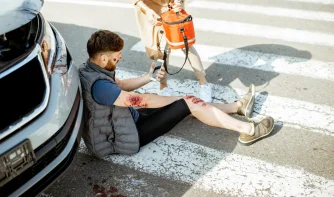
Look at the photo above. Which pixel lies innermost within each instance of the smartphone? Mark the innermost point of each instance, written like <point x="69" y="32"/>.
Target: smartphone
<point x="158" y="66"/>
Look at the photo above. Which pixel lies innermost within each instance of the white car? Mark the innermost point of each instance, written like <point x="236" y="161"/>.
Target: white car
<point x="40" y="101"/>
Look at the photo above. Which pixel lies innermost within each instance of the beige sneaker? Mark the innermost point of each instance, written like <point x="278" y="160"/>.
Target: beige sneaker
<point x="247" y="103"/>
<point x="261" y="130"/>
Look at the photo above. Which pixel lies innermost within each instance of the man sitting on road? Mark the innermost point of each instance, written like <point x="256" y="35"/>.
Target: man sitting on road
<point x="112" y="125"/>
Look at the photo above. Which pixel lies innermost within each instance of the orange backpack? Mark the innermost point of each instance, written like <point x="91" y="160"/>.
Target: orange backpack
<point x="179" y="31"/>
<point x="179" y="28"/>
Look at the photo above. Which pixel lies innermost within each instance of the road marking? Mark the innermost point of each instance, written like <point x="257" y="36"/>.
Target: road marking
<point x="95" y="3"/>
<point x="224" y="173"/>
<point x="298" y="114"/>
<point x="270" y="11"/>
<point x="260" y="61"/>
<point x="328" y="2"/>
<point x="263" y="31"/>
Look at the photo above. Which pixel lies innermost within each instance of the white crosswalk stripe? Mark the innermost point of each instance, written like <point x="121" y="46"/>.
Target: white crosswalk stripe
<point x="327" y="2"/>
<point x="269" y="11"/>
<point x="264" y="31"/>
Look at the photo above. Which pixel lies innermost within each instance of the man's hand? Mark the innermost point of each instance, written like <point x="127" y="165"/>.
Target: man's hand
<point x="161" y="72"/>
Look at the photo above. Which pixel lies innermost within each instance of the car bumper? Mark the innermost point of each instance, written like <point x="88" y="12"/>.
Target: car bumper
<point x="53" y="157"/>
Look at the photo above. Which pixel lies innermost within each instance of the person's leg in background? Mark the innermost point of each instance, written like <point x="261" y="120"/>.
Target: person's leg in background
<point x="205" y="90"/>
<point x="151" y="34"/>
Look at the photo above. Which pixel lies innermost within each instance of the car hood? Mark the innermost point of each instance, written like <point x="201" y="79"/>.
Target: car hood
<point x="15" y="13"/>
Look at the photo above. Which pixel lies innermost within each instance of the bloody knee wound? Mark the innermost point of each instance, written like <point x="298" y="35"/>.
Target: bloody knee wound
<point x="195" y="100"/>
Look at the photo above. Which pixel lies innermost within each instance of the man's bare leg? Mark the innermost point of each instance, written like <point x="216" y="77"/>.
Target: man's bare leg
<point x="212" y="116"/>
<point x="229" y="108"/>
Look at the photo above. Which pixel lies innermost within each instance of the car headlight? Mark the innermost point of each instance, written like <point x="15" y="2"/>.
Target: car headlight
<point x="55" y="55"/>
<point x="48" y="48"/>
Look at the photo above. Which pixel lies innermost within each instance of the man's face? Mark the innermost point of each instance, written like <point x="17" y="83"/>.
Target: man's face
<point x="114" y="58"/>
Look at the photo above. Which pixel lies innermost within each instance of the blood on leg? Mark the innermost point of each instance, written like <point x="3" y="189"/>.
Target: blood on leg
<point x="195" y="100"/>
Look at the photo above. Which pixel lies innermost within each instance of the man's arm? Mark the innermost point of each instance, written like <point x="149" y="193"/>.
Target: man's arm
<point x="127" y="99"/>
<point x="107" y="93"/>
<point x="132" y="84"/>
<point x="135" y="83"/>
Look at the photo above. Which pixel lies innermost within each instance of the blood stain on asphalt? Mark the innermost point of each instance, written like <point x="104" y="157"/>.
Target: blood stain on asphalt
<point x="102" y="192"/>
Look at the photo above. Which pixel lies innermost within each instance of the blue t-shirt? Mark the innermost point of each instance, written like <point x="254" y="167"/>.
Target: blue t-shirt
<point x="105" y="93"/>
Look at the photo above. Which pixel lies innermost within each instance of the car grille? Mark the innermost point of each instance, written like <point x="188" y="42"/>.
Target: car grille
<point x="63" y="135"/>
<point x="23" y="91"/>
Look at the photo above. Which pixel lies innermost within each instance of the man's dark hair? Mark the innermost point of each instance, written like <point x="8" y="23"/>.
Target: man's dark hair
<point x="104" y="41"/>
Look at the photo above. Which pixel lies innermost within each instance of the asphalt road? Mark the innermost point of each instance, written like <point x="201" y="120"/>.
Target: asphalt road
<point x="285" y="48"/>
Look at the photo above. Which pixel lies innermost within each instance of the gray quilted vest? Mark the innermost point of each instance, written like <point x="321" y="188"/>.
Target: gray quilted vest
<point x="108" y="129"/>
